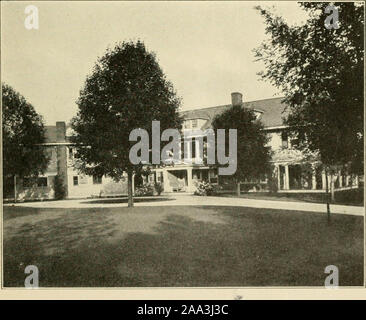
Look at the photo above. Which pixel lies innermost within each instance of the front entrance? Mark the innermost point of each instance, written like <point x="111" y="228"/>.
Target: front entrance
<point x="178" y="180"/>
<point x="185" y="179"/>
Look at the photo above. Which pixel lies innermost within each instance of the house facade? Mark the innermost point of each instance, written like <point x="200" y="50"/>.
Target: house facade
<point x="292" y="171"/>
<point x="76" y="185"/>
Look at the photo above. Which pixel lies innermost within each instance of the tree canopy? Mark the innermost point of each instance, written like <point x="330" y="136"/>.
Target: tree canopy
<point x="23" y="132"/>
<point x="126" y="90"/>
<point x="320" y="72"/>
<point x="253" y="153"/>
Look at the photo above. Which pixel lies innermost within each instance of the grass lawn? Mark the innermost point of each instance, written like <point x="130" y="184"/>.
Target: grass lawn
<point x="352" y="197"/>
<point x="180" y="246"/>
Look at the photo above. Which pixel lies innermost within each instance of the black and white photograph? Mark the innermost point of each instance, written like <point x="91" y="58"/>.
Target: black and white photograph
<point x="182" y="144"/>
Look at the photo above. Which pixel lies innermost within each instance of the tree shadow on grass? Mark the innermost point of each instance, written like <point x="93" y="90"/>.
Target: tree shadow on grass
<point x="210" y="246"/>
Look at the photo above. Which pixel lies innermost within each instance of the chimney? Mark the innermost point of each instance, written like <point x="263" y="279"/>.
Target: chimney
<point x="236" y="99"/>
<point x="60" y="131"/>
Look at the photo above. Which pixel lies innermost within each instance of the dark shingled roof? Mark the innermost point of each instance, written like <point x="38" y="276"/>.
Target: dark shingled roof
<point x="273" y="112"/>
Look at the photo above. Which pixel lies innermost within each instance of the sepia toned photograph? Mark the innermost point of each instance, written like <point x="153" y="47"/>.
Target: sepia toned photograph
<point x="179" y="144"/>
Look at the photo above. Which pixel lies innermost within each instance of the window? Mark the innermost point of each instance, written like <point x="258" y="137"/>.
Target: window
<point x="42" y="182"/>
<point x="284" y="136"/>
<point x="194" y="123"/>
<point x="205" y="144"/>
<point x="186" y="124"/>
<point x="71" y="153"/>
<point x="257" y="114"/>
<point x="76" y="180"/>
<point x="31" y="182"/>
<point x="97" y="179"/>
<point x="193" y="148"/>
<point x="182" y="149"/>
<point x="28" y="182"/>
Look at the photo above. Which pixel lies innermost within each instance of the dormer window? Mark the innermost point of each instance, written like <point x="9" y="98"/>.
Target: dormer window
<point x="257" y="115"/>
<point x="284" y="137"/>
<point x="194" y="123"/>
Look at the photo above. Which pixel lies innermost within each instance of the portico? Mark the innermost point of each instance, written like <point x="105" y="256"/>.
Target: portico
<point x="184" y="178"/>
<point x="308" y="177"/>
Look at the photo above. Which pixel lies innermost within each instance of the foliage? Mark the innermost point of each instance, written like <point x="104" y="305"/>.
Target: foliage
<point x="272" y="183"/>
<point x="204" y="188"/>
<point x="253" y="154"/>
<point x="23" y="132"/>
<point x="60" y="190"/>
<point x="320" y="72"/>
<point x="158" y="188"/>
<point x="126" y="90"/>
<point x="145" y="190"/>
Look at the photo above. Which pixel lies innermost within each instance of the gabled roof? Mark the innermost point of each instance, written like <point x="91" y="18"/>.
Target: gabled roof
<point x="272" y="112"/>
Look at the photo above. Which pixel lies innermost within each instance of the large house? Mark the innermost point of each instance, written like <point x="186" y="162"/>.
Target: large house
<point x="291" y="169"/>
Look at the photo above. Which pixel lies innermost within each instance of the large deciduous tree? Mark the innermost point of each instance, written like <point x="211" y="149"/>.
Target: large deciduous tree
<point x="321" y="73"/>
<point x="126" y="90"/>
<point x="23" y="134"/>
<point x="253" y="153"/>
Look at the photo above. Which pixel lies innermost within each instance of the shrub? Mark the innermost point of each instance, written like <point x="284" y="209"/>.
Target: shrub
<point x="206" y="189"/>
<point x="60" y="191"/>
<point x="158" y="188"/>
<point x="273" y="182"/>
<point x="145" y="190"/>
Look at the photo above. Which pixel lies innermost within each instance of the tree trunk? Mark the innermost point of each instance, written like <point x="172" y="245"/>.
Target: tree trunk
<point x="327" y="194"/>
<point x="15" y="189"/>
<point x="238" y="188"/>
<point x="129" y="189"/>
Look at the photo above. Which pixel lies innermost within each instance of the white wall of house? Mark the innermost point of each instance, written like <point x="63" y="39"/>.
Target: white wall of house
<point x="35" y="191"/>
<point x="81" y="186"/>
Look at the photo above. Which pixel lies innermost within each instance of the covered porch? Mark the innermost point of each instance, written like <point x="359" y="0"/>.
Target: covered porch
<point x="308" y="177"/>
<point x="185" y="178"/>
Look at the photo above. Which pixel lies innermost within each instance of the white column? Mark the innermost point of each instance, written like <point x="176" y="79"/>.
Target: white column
<point x="199" y="157"/>
<point x="329" y="181"/>
<point x="187" y="152"/>
<point x="190" y="180"/>
<point x="180" y="152"/>
<point x="166" y="181"/>
<point x="340" y="178"/>
<point x="324" y="181"/>
<point x="278" y="176"/>
<point x="347" y="180"/>
<point x="287" y="178"/>
<point x="313" y="178"/>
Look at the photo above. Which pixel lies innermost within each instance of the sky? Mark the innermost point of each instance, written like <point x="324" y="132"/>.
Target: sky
<point x="204" y="48"/>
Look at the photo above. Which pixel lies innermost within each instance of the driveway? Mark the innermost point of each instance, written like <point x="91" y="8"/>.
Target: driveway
<point x="191" y="200"/>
